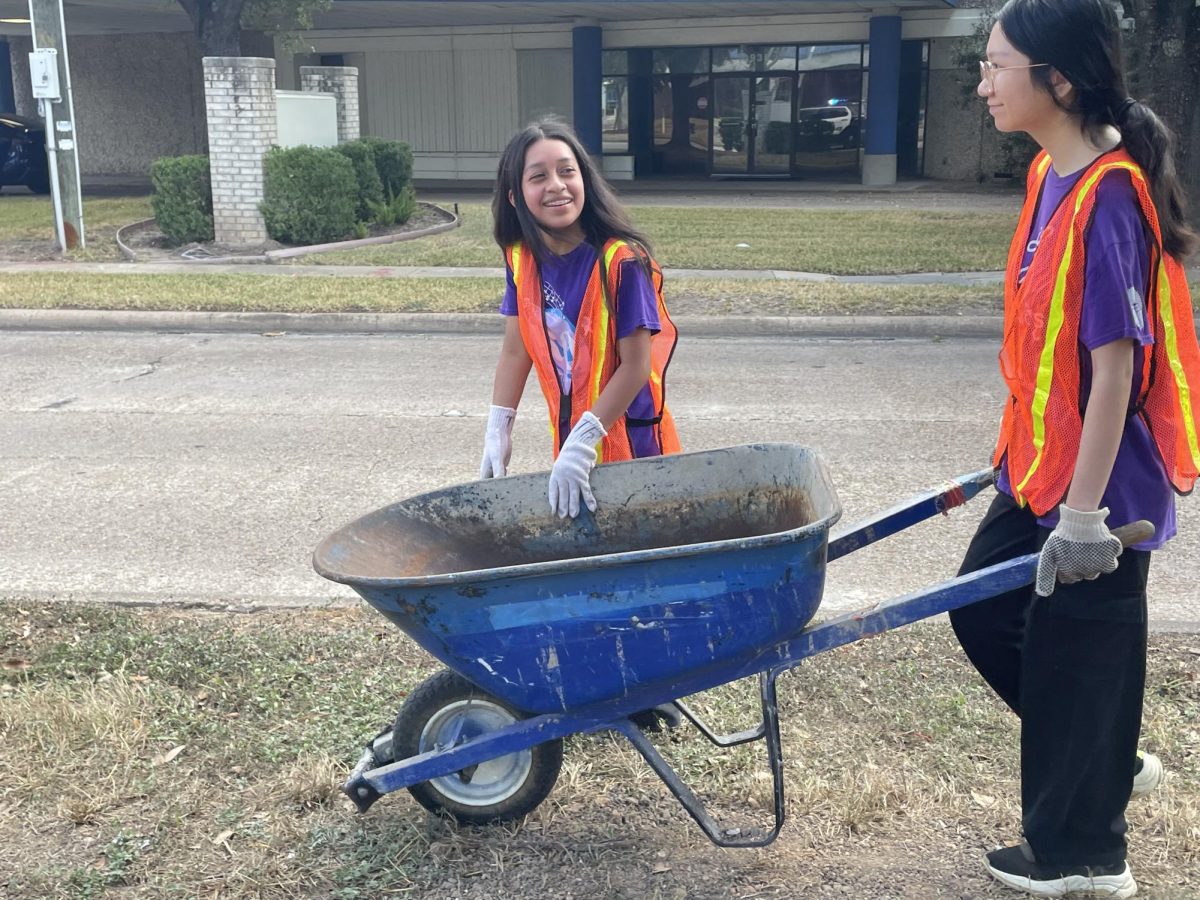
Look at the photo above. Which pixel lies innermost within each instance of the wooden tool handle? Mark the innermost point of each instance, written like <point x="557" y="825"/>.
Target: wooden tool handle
<point x="1134" y="532"/>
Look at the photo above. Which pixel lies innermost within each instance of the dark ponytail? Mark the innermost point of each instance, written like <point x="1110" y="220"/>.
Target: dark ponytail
<point x="1152" y="145"/>
<point x="1081" y="40"/>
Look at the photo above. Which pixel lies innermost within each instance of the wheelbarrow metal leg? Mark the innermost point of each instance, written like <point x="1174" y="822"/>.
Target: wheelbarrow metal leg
<point x="769" y="730"/>
<point x="721" y="740"/>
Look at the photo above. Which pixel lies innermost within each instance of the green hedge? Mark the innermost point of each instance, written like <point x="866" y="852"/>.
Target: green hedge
<point x="182" y="200"/>
<point x="310" y="195"/>
<point x="370" y="187"/>
<point x="393" y="161"/>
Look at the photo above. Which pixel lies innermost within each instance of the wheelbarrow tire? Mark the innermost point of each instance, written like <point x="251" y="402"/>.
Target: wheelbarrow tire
<point x="497" y="791"/>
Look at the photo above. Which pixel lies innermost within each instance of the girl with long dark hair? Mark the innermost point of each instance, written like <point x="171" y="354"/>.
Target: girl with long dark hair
<point x="583" y="306"/>
<point x="1100" y="359"/>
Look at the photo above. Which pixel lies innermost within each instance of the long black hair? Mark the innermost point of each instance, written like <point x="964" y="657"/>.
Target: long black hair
<point x="1081" y="39"/>
<point x="602" y="217"/>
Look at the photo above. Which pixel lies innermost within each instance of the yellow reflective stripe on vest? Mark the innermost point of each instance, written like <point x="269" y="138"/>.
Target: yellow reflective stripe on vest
<point x="600" y="336"/>
<point x="1054" y="324"/>
<point x="1172" y="342"/>
<point x="599" y="355"/>
<point x="611" y="252"/>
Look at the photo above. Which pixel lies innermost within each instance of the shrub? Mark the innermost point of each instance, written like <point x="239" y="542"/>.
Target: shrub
<point x="394" y="162"/>
<point x="778" y="138"/>
<point x="395" y="210"/>
<point x="370" y="187"/>
<point x="182" y="200"/>
<point x="310" y="195"/>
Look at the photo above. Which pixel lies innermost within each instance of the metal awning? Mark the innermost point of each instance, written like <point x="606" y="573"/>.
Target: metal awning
<point x="139" y="16"/>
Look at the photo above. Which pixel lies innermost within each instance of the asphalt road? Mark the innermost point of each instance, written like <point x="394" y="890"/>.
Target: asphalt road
<point x="140" y="467"/>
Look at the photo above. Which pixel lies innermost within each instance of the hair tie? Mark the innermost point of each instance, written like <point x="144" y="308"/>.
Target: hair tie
<point x="1123" y="109"/>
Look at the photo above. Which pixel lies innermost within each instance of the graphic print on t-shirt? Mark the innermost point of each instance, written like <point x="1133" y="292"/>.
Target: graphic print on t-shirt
<point x="561" y="332"/>
<point x="1030" y="249"/>
<point x="1136" y="306"/>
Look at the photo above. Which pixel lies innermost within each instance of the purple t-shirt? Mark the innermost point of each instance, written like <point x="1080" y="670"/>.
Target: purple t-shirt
<point x="564" y="283"/>
<point x="1114" y="308"/>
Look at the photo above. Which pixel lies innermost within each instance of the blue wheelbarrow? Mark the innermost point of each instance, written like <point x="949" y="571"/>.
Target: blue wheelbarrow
<point x="695" y="570"/>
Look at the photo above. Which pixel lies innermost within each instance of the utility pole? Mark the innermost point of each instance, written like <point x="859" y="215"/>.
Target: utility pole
<point x="50" y="74"/>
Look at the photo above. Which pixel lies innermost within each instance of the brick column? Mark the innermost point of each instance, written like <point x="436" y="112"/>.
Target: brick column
<point x="239" y="93"/>
<point x="342" y="82"/>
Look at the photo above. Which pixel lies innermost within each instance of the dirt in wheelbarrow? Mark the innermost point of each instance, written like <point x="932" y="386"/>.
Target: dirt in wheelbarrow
<point x="151" y="753"/>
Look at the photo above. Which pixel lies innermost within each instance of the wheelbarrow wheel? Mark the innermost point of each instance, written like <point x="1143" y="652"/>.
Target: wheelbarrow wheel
<point x="446" y="710"/>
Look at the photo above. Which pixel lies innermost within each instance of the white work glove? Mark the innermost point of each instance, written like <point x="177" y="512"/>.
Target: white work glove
<point x="569" y="477"/>
<point x="1081" y="547"/>
<point x="497" y="442"/>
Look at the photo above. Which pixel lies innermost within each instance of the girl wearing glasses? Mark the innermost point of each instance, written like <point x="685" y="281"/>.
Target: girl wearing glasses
<point x="1099" y="429"/>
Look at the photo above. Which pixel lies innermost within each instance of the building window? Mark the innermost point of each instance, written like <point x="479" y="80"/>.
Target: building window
<point x="614" y="102"/>
<point x="682" y="61"/>
<point x="752" y="58"/>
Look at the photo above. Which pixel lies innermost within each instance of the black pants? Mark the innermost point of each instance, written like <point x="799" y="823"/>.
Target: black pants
<point x="1072" y="666"/>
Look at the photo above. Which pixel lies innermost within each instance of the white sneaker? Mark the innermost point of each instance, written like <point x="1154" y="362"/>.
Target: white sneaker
<point x="1149" y="777"/>
<point x="1015" y="867"/>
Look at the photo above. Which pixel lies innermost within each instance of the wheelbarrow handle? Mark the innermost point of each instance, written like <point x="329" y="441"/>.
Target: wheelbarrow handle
<point x="1134" y="532"/>
<point x="940" y="500"/>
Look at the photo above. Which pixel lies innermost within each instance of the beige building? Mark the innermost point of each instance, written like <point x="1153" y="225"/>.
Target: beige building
<point x="828" y="89"/>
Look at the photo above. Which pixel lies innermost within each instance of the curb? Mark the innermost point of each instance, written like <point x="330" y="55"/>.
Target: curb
<point x="270" y="256"/>
<point x="877" y="327"/>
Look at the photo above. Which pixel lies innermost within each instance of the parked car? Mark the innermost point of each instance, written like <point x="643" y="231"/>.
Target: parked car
<point x="23" y="153"/>
<point x="837" y="118"/>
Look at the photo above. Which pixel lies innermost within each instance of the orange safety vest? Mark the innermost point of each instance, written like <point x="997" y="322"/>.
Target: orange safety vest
<point x="595" y="349"/>
<point x="1040" y="355"/>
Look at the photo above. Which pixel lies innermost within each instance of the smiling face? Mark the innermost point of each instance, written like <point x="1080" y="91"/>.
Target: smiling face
<point x="1015" y="102"/>
<point x="552" y="188"/>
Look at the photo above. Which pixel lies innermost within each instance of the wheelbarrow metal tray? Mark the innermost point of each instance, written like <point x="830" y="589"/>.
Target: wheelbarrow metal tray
<point x="690" y="561"/>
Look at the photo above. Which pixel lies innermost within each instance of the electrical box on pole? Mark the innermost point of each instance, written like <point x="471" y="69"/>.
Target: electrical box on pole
<point x="50" y="77"/>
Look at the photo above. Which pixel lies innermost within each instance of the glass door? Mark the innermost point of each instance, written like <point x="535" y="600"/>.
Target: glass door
<point x="732" y="106"/>
<point x="752" y="124"/>
<point x="771" y="153"/>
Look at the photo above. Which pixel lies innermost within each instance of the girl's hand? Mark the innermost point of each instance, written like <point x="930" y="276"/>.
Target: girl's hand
<point x="1080" y="547"/>
<point x="497" y="442"/>
<point x="569" y="477"/>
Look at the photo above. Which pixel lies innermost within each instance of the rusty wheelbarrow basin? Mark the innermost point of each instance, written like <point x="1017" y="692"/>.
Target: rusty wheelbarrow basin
<point x="691" y="561"/>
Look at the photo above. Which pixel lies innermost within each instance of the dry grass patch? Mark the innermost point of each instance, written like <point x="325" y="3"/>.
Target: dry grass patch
<point x="278" y="293"/>
<point x="162" y="753"/>
<point x="706" y="237"/>
<point x="27" y="226"/>
<point x="248" y="293"/>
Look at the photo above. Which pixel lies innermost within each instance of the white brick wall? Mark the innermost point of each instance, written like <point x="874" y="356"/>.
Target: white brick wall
<point x="342" y="82"/>
<point x="239" y="94"/>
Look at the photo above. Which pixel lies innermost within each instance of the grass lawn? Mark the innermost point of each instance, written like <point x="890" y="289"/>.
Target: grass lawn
<point x="279" y="293"/>
<point x="160" y="753"/>
<point x="836" y="242"/>
<point x="29" y="218"/>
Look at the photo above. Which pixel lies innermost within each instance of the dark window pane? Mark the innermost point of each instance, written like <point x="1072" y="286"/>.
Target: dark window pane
<point x="616" y="62"/>
<point x="831" y="56"/>
<point x="751" y="58"/>
<point x="776" y="59"/>
<point x="731" y="59"/>
<point x="664" y="118"/>
<point x="681" y="61"/>
<point x="615" y="113"/>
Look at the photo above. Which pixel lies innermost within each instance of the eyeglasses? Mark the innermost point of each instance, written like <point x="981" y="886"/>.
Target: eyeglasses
<point x="988" y="70"/>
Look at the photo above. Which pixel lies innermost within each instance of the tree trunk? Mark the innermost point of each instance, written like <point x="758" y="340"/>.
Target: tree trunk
<point x="1165" y="73"/>
<point x="217" y="24"/>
